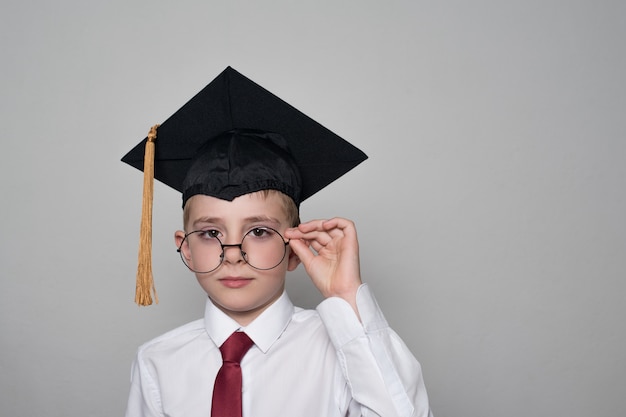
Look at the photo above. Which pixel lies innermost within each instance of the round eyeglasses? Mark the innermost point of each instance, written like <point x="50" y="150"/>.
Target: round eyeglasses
<point x="262" y="248"/>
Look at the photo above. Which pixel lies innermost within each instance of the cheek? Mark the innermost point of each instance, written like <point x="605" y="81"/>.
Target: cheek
<point x="186" y="256"/>
<point x="274" y="277"/>
<point x="208" y="283"/>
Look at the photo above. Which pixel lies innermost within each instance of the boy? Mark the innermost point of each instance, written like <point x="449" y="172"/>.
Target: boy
<point x="252" y="160"/>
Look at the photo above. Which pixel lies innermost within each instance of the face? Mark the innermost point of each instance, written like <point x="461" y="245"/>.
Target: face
<point x="235" y="287"/>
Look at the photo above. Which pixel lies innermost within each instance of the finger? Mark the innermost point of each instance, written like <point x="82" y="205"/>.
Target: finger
<point x="302" y="229"/>
<point x="340" y="227"/>
<point x="312" y="225"/>
<point x="314" y="244"/>
<point x="337" y="223"/>
<point x="302" y="251"/>
<point x="317" y="247"/>
<point x="321" y="236"/>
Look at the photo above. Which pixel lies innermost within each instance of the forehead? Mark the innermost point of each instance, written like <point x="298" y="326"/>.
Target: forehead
<point x="246" y="208"/>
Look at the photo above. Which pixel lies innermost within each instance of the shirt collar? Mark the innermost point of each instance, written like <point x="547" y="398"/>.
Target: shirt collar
<point x="264" y="330"/>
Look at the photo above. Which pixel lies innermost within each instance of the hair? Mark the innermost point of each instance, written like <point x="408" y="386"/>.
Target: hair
<point x="289" y="206"/>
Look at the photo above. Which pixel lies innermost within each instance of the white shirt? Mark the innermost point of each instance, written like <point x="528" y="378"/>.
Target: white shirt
<point x="305" y="363"/>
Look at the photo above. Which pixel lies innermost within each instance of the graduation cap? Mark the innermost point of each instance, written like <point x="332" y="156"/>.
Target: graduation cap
<point x="232" y="138"/>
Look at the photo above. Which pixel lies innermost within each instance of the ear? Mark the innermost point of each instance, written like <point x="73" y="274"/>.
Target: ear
<point x="179" y="236"/>
<point x="293" y="261"/>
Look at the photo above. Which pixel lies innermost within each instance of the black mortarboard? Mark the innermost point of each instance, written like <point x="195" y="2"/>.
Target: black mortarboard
<point x="235" y="137"/>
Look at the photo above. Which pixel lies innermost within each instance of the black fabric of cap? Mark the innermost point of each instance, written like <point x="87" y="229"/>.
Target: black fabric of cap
<point x="235" y="137"/>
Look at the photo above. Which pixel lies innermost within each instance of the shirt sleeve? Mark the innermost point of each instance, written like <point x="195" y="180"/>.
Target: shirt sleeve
<point x="383" y="376"/>
<point x="144" y="397"/>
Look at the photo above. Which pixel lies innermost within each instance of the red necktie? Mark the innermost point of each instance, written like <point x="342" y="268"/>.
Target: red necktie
<point x="227" y="389"/>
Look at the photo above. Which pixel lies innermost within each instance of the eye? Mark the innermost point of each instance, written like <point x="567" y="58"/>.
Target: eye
<point x="209" y="234"/>
<point x="260" y="232"/>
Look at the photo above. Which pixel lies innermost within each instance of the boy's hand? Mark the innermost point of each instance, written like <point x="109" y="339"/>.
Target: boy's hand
<point x="329" y="251"/>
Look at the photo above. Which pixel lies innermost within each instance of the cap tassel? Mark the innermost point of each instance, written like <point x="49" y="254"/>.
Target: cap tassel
<point x="145" y="282"/>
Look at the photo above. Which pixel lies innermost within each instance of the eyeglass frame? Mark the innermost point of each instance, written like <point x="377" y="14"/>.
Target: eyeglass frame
<point x="232" y="245"/>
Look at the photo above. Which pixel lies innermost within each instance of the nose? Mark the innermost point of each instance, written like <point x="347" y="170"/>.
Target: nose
<point x="232" y="256"/>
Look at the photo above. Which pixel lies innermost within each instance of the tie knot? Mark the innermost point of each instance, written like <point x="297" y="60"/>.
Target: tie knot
<point x="235" y="347"/>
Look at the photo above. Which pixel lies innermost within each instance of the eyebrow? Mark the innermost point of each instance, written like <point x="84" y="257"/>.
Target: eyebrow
<point x="251" y="219"/>
<point x="261" y="219"/>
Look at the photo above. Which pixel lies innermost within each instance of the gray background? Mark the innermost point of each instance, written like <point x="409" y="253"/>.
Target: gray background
<point x="490" y="213"/>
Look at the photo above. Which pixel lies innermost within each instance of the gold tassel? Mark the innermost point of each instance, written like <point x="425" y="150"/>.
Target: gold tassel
<point x="145" y="282"/>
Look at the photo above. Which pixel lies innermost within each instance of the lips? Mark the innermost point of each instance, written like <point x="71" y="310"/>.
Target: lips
<point x="235" y="282"/>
